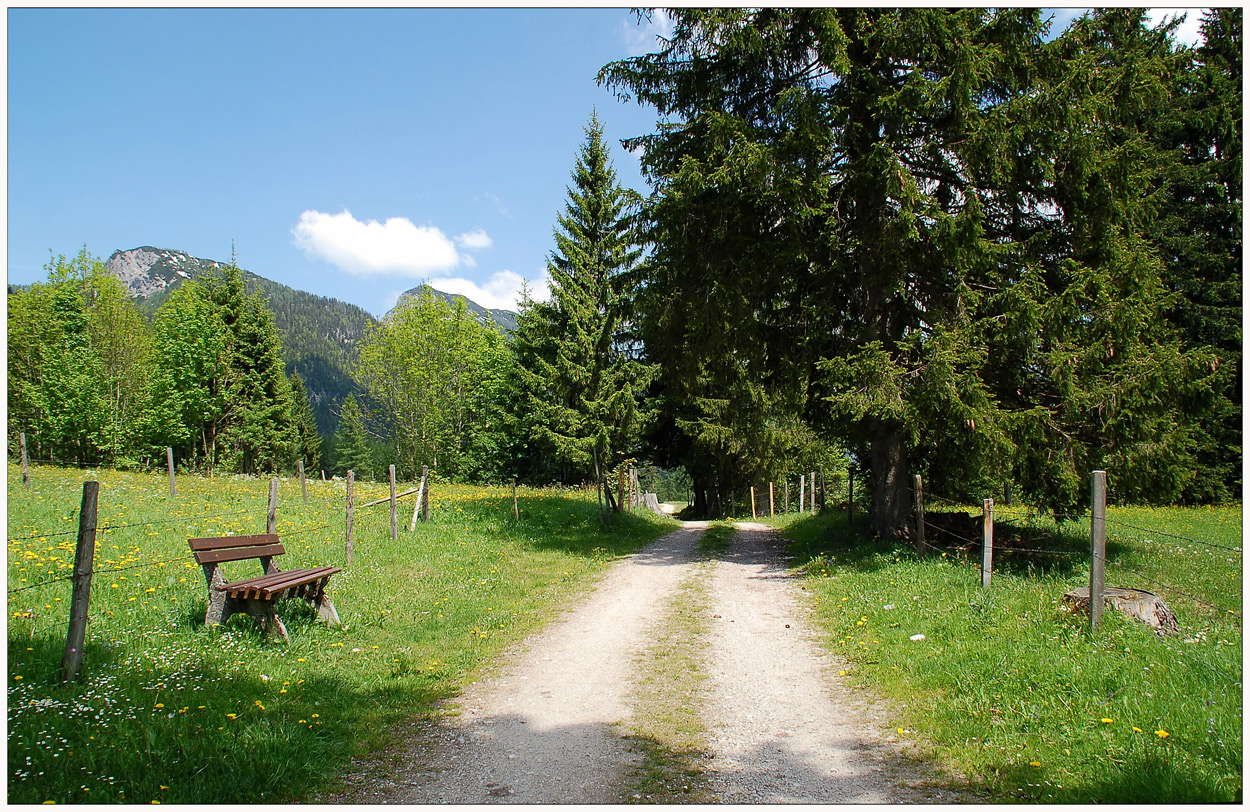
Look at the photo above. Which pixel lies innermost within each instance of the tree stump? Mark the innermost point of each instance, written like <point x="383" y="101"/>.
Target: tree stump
<point x="1136" y="603"/>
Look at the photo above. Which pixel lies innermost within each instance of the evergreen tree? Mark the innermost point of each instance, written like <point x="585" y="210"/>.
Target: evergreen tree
<point x="352" y="442"/>
<point x="1200" y="235"/>
<point x="922" y="231"/>
<point x="579" y="378"/>
<point x="258" y="435"/>
<point x="306" y="442"/>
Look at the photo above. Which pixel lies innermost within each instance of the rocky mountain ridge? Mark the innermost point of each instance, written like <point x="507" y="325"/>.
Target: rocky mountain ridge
<point x="320" y="335"/>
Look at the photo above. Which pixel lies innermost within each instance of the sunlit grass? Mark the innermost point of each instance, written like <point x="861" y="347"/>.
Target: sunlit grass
<point x="1013" y="692"/>
<point x="167" y="710"/>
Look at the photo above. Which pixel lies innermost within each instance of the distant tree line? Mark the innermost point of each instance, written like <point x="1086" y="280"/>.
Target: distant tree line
<point x="93" y="382"/>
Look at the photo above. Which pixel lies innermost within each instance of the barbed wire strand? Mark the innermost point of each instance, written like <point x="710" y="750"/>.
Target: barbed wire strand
<point x="1173" y="536"/>
<point x="1175" y="589"/>
<point x="40" y="585"/>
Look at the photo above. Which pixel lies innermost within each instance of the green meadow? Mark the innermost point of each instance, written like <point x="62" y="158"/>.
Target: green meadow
<point x="167" y="710"/>
<point x="1014" y="694"/>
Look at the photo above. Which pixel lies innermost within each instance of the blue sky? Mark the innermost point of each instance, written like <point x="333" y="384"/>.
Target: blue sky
<point x="350" y="153"/>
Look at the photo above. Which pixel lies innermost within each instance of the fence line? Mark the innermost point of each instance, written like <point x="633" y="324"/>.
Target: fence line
<point x="1171" y="588"/>
<point x="1098" y="559"/>
<point x="1173" y="536"/>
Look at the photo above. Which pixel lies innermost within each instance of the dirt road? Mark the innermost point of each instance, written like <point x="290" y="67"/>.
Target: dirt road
<point x="549" y="728"/>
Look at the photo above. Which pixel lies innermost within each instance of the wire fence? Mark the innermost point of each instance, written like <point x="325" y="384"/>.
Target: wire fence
<point x="941" y="530"/>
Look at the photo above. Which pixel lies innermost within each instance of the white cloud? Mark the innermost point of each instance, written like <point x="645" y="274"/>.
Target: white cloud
<point x="395" y="246"/>
<point x="639" y="36"/>
<point x="474" y="239"/>
<point x="498" y="204"/>
<point x="1189" y="32"/>
<point x="501" y="292"/>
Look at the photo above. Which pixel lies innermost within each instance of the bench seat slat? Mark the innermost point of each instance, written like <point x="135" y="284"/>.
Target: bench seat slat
<point x="267" y="586"/>
<point x="238" y="553"/>
<point x="225" y="542"/>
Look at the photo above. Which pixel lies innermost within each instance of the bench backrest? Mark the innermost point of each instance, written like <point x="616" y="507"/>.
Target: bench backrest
<point x="235" y="548"/>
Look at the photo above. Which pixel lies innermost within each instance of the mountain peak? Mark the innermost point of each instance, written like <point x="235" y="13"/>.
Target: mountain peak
<point x="147" y="271"/>
<point x="504" y="320"/>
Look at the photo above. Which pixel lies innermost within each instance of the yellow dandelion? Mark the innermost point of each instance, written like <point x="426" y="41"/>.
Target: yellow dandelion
<point x="1107" y="721"/>
<point x="1035" y="763"/>
<point x="1162" y="734"/>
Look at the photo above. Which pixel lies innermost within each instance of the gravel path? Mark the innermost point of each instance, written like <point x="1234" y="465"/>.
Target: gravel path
<point x="781" y="728"/>
<point x="548" y="728"/>
<point x="545" y="730"/>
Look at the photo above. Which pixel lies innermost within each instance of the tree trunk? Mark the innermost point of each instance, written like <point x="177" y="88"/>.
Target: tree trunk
<point x="891" y="491"/>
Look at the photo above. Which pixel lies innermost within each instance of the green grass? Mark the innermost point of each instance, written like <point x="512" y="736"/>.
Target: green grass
<point x="667" y="721"/>
<point x="1011" y="691"/>
<point x="167" y="710"/>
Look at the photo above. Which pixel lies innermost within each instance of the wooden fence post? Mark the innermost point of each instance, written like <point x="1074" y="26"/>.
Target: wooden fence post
<point x="425" y="494"/>
<point x="303" y="486"/>
<point x="394" y="521"/>
<point x="753" y="516"/>
<point x="850" y="496"/>
<point x="516" y="511"/>
<point x="25" y="465"/>
<point x="84" y="553"/>
<point x="802" y="491"/>
<point x="416" y="506"/>
<point x="787" y="494"/>
<point x="811" y="487"/>
<point x="919" y="515"/>
<point x="772" y="508"/>
<point x="351" y="512"/>
<point x="271" y="520"/>
<point x="822" y="489"/>
<point x="620" y="492"/>
<point x="1098" y="548"/>
<point x="987" y="543"/>
<point x="169" y="458"/>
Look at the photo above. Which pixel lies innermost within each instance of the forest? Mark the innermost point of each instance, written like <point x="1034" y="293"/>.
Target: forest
<point x="878" y="241"/>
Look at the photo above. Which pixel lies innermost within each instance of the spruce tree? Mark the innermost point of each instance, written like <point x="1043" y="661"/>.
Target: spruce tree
<point x="306" y="441"/>
<point x="922" y="231"/>
<point x="352" y="442"/>
<point x="1200" y="235"/>
<point x="579" y="377"/>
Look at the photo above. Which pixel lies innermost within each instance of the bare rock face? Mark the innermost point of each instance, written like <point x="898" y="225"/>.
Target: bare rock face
<point x="133" y="267"/>
<point x="1145" y="606"/>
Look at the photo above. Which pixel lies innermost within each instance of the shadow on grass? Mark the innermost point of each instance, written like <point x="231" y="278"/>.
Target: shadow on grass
<point x="555" y="522"/>
<point x="1148" y="776"/>
<point x="1019" y="549"/>
<point x="188" y="732"/>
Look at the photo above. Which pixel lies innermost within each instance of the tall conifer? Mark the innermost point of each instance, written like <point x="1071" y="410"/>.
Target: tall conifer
<point x="579" y="377"/>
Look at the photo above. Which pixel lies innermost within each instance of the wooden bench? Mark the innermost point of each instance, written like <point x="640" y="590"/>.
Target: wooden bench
<point x="258" y="596"/>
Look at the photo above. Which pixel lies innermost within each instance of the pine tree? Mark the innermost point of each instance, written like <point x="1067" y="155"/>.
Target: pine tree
<point x="307" y="441"/>
<point x="352" y="442"/>
<point x="1200" y="235"/>
<point x="579" y="377"/>
<point x="921" y="231"/>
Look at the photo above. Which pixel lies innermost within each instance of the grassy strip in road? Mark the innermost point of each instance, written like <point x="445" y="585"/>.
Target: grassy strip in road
<point x="667" y="723"/>
<point x="1013" y="692"/>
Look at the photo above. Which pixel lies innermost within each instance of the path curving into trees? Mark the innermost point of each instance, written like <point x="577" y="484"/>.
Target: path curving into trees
<point x="551" y="724"/>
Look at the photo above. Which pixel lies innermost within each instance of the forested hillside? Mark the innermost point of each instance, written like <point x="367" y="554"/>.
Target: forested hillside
<point x="319" y="335"/>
